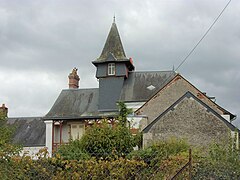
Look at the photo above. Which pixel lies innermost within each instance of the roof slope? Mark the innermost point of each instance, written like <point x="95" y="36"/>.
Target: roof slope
<point x="180" y="90"/>
<point x="73" y="103"/>
<point x="140" y="86"/>
<point x="83" y="103"/>
<point x="188" y="95"/>
<point x="30" y="131"/>
<point x="113" y="45"/>
<point x="113" y="50"/>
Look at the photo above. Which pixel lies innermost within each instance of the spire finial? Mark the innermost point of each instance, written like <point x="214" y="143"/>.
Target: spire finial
<point x="114" y="18"/>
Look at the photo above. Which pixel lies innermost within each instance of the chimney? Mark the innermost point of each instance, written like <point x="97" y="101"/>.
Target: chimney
<point x="73" y="79"/>
<point x="3" y="111"/>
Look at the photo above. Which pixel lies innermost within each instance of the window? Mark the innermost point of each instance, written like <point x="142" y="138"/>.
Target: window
<point x="111" y="69"/>
<point x="77" y="131"/>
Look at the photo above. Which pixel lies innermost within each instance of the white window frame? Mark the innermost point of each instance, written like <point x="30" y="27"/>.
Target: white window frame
<point x="111" y="69"/>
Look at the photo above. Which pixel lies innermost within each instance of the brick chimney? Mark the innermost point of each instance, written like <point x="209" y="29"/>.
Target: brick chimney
<point x="73" y="79"/>
<point x="3" y="110"/>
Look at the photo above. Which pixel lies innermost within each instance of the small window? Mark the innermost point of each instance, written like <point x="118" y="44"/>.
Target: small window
<point x="111" y="69"/>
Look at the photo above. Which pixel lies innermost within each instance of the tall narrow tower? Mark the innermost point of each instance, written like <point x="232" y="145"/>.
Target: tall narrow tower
<point x="112" y="69"/>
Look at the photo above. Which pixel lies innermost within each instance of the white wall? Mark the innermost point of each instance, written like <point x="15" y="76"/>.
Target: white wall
<point x="134" y="105"/>
<point x="31" y="151"/>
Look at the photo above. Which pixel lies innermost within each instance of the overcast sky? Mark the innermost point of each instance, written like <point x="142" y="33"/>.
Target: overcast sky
<point x="41" y="41"/>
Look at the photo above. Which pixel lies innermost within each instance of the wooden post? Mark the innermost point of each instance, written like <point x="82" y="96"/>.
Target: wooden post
<point x="189" y="165"/>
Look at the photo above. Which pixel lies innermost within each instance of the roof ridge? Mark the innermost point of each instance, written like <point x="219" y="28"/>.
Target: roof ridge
<point x="79" y="89"/>
<point x="152" y="71"/>
<point x="24" y="117"/>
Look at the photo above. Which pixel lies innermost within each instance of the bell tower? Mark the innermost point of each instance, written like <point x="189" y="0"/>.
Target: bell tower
<point x="112" y="69"/>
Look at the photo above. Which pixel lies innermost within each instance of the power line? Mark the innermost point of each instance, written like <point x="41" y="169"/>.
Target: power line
<point x="204" y="35"/>
<point x="170" y="76"/>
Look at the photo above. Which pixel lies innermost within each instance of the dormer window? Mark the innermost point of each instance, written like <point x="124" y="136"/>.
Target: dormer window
<point x="111" y="69"/>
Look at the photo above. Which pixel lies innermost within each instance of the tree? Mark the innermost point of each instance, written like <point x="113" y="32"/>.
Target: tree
<point x="123" y="113"/>
<point x="102" y="140"/>
<point x="6" y="131"/>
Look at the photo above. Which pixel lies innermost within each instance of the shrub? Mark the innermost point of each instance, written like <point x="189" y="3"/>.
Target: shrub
<point x="73" y="151"/>
<point x="160" y="150"/>
<point x="106" y="142"/>
<point x="221" y="162"/>
<point x="163" y="158"/>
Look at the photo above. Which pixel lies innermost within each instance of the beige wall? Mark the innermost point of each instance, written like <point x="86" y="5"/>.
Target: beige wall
<point x="66" y="130"/>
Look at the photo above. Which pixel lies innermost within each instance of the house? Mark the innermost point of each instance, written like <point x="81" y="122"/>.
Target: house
<point x="181" y="110"/>
<point x="165" y="104"/>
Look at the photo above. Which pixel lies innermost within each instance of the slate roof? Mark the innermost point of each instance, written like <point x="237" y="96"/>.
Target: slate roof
<point x="113" y="45"/>
<point x="75" y="103"/>
<point x="83" y="103"/>
<point x="189" y="95"/>
<point x="113" y="50"/>
<point x="30" y="131"/>
<point x="138" y="85"/>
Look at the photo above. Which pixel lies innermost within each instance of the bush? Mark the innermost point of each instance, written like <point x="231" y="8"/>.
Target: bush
<point x="6" y="148"/>
<point x="163" y="158"/>
<point x="73" y="151"/>
<point x="57" y="168"/>
<point x="221" y="162"/>
<point x="161" y="150"/>
<point x="101" y="169"/>
<point x="100" y="141"/>
<point x="103" y="141"/>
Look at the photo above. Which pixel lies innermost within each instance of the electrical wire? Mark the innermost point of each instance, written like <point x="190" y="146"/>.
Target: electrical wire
<point x="193" y="49"/>
<point x="204" y="35"/>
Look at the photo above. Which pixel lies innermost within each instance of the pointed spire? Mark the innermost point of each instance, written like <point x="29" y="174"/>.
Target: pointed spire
<point x="113" y="45"/>
<point x="114" y="19"/>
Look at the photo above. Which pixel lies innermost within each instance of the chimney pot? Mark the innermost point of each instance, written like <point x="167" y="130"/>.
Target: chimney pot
<point x="73" y="79"/>
<point x="4" y="111"/>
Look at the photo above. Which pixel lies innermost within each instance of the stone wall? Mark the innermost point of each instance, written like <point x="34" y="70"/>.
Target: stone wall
<point x="188" y="120"/>
<point x="169" y="95"/>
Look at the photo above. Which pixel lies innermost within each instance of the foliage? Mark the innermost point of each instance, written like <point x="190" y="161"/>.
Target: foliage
<point x="221" y="162"/>
<point x="138" y="139"/>
<point x="123" y="113"/>
<point x="160" y="161"/>
<point x="73" y="151"/>
<point x="103" y="141"/>
<point x="100" y="141"/>
<point x="101" y="169"/>
<point x="160" y="150"/>
<point x="6" y="131"/>
<point x="58" y="168"/>
<point x="6" y="148"/>
<point x="163" y="158"/>
<point x="106" y="152"/>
